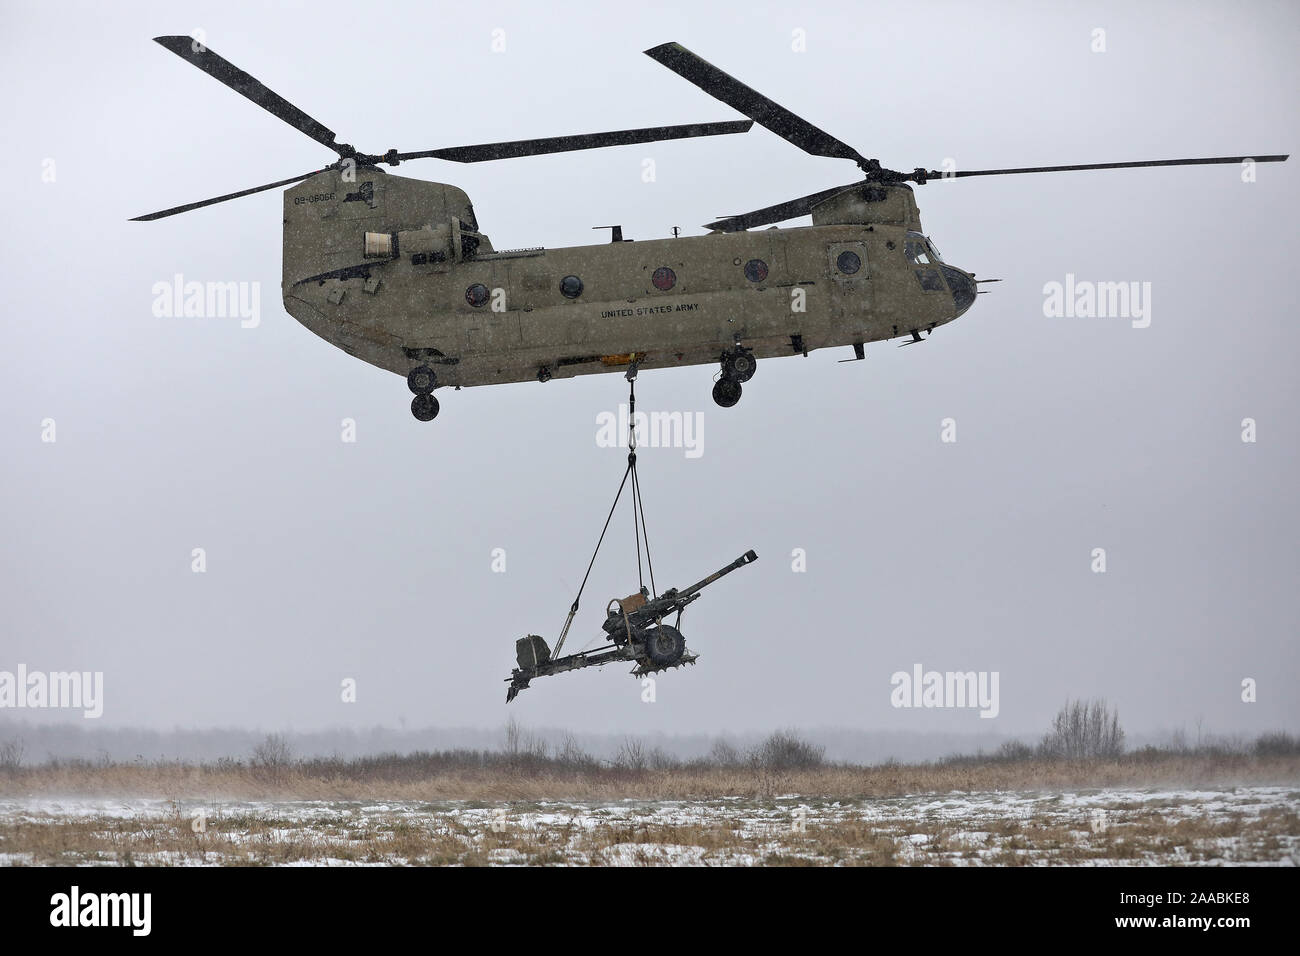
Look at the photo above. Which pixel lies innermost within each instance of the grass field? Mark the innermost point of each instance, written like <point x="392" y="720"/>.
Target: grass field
<point x="460" y="809"/>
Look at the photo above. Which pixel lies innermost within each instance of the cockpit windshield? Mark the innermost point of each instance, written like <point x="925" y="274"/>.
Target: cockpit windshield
<point x="920" y="250"/>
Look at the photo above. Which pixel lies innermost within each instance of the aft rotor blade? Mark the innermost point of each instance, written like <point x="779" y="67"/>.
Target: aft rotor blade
<point x="1209" y="161"/>
<point x="190" y="50"/>
<point x="176" y="210"/>
<point x="773" y="116"/>
<point x="563" y="144"/>
<point x="780" y="212"/>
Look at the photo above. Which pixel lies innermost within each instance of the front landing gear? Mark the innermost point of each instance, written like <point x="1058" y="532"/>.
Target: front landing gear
<point x="422" y="380"/>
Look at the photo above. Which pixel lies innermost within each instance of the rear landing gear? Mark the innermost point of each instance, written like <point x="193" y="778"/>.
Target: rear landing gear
<point x="738" y="366"/>
<point x="726" y="391"/>
<point x="424" y="407"/>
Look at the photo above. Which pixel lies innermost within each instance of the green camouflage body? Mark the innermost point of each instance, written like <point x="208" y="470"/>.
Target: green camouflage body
<point x="409" y="306"/>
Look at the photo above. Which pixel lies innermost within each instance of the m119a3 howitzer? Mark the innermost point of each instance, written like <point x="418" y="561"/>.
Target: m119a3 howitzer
<point x="636" y="631"/>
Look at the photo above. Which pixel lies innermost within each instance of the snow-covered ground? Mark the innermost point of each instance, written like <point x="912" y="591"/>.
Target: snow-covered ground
<point x="1243" y="825"/>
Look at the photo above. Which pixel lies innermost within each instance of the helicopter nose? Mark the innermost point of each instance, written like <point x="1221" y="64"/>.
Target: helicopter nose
<point x="963" y="288"/>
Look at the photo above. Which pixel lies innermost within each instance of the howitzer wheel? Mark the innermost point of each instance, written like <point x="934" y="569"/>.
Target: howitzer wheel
<point x="664" y="645"/>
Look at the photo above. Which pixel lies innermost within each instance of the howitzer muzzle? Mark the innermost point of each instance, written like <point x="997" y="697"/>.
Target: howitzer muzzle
<point x="749" y="557"/>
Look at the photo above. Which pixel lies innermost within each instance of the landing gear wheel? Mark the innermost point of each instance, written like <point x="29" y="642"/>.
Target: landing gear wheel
<point x="421" y="380"/>
<point x="424" y="407"/>
<point x="664" y="645"/>
<point x="726" y="392"/>
<point x="740" y="365"/>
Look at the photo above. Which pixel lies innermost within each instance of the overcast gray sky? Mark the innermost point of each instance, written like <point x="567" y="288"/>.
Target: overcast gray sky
<point x="372" y="560"/>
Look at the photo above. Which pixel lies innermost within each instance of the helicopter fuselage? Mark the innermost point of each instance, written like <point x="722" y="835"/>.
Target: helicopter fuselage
<point x="394" y="271"/>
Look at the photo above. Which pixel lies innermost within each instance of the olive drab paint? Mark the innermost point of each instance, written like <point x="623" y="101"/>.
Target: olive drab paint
<point x="415" y="297"/>
<point x="397" y="272"/>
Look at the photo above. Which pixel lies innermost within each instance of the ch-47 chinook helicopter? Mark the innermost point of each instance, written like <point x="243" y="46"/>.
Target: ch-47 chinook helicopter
<point x="396" y="272"/>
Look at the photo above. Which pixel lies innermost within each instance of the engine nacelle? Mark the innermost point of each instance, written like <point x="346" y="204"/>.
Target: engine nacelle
<point x="431" y="244"/>
<point x="892" y="205"/>
<point x="333" y="224"/>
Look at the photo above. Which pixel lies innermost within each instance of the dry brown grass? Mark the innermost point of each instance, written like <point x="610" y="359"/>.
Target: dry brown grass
<point x="268" y="837"/>
<point x="444" y="809"/>
<point x="497" y="784"/>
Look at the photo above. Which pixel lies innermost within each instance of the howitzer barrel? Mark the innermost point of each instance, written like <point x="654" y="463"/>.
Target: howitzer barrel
<point x="749" y="557"/>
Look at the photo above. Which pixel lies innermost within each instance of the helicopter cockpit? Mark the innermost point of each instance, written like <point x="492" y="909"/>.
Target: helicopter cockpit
<point x="920" y="250"/>
<point x="931" y="272"/>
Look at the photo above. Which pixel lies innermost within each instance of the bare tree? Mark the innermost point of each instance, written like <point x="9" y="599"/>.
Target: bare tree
<point x="631" y="755"/>
<point x="514" y="737"/>
<point x="1276" y="744"/>
<point x="785" y="750"/>
<point x="12" y="752"/>
<point x="571" y="755"/>
<point x="522" y="747"/>
<point x="725" y="754"/>
<point x="1084" y="730"/>
<point x="273" y="757"/>
<point x="778" y="758"/>
<point x="660" y="759"/>
<point x="1013" y="751"/>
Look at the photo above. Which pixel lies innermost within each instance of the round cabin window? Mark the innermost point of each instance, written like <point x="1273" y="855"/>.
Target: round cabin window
<point x="755" y="270"/>
<point x="571" y="287"/>
<point x="848" y="263"/>
<point x="477" y="294"/>
<point x="664" y="278"/>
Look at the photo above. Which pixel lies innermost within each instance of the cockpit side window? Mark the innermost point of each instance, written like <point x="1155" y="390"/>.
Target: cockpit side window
<point x="934" y="253"/>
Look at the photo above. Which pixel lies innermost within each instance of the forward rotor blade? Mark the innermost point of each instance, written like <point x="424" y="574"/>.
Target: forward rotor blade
<point x="1210" y="161"/>
<point x="780" y="212"/>
<point x="563" y="144"/>
<point x="803" y="205"/>
<point x="190" y="50"/>
<point x="755" y="105"/>
<point x="176" y="210"/>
